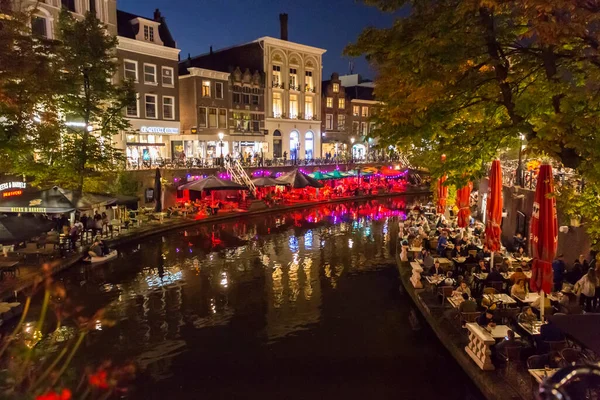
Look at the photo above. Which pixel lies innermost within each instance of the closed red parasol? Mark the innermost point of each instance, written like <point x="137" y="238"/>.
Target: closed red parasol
<point x="463" y="201"/>
<point x="442" y="195"/>
<point x="494" y="208"/>
<point x="543" y="236"/>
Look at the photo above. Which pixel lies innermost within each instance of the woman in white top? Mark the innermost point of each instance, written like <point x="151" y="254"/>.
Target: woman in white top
<point x="586" y="289"/>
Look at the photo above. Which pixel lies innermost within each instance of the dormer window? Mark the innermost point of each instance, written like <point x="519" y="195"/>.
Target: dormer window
<point x="149" y="33"/>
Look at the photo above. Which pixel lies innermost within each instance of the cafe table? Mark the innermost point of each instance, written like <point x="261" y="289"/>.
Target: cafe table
<point x="500" y="331"/>
<point x="455" y="301"/>
<point x="502" y="297"/>
<point x="533" y="296"/>
<point x="435" y="279"/>
<point x="540" y="374"/>
<point x="533" y="328"/>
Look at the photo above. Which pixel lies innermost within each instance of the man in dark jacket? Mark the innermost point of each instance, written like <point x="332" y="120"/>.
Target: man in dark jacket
<point x="494" y="276"/>
<point x="559" y="268"/>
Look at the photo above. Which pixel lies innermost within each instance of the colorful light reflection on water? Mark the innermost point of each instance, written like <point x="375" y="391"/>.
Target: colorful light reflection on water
<point x="296" y="305"/>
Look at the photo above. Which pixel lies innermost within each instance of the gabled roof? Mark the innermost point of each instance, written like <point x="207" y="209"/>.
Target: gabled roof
<point x="247" y="55"/>
<point x="126" y="29"/>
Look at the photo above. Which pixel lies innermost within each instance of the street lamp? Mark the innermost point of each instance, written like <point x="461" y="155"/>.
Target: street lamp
<point x="221" y="136"/>
<point x="519" y="172"/>
<point x="352" y="149"/>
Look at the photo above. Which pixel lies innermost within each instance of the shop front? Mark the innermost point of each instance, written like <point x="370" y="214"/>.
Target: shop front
<point x="150" y="142"/>
<point x="247" y="148"/>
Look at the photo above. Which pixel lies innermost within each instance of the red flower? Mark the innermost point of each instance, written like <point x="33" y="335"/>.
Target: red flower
<point x="64" y="395"/>
<point x="99" y="379"/>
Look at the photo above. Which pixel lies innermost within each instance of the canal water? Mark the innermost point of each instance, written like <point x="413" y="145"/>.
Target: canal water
<point x="298" y="305"/>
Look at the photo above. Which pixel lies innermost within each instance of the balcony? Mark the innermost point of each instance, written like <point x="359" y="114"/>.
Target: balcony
<point x="294" y="87"/>
<point x="309" y="89"/>
<point x="278" y="85"/>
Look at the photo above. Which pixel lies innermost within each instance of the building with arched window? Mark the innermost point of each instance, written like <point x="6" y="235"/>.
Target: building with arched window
<point x="281" y="116"/>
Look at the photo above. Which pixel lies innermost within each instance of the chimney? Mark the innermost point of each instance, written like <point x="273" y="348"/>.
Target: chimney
<point x="283" y="22"/>
<point x="157" y="15"/>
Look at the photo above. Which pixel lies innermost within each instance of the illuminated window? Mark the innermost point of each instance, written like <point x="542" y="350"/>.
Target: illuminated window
<point x="336" y="88"/>
<point x="308" y="107"/>
<point x="365" y="111"/>
<point x="356" y="111"/>
<point x="341" y="104"/>
<point x="277" y="105"/>
<point x="308" y="81"/>
<point x="293" y="106"/>
<point x="341" y="121"/>
<point x="205" y="88"/>
<point x="131" y="70"/>
<point x="150" y="100"/>
<point x="329" y="102"/>
<point x="168" y="107"/>
<point x="150" y="74"/>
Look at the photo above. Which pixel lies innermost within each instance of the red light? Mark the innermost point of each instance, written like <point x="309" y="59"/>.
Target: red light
<point x="12" y="193"/>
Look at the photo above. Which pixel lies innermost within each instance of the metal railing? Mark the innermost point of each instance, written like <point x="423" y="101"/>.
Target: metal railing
<point x="239" y="175"/>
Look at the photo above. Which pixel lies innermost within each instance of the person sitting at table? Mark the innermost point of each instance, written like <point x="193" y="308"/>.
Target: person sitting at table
<point x="575" y="273"/>
<point x="463" y="288"/>
<point x="449" y="281"/>
<point x="517" y="276"/>
<point x="527" y="317"/>
<point x="423" y="254"/>
<point x="494" y="276"/>
<point x="520" y="253"/>
<point x="485" y="253"/>
<point x="436" y="269"/>
<point x="442" y="243"/>
<point x="486" y="319"/>
<point x="459" y="251"/>
<point x="467" y="305"/>
<point x="510" y="341"/>
<point x="519" y="290"/>
<point x="504" y="266"/>
<point x="428" y="261"/>
<point x="482" y="267"/>
<point x="568" y="303"/>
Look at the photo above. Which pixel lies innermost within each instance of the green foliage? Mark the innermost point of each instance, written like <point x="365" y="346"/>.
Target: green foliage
<point x="28" y="82"/>
<point x="581" y="206"/>
<point x="91" y="97"/>
<point x="465" y="79"/>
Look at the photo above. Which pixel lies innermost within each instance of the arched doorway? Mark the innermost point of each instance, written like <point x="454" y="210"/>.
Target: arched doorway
<point x="294" y="145"/>
<point x="277" y="148"/>
<point x="359" y="151"/>
<point x="309" y="145"/>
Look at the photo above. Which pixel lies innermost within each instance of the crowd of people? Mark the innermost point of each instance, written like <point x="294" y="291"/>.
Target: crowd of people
<point x="460" y="265"/>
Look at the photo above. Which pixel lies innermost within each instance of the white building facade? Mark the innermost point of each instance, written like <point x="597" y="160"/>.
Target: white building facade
<point x="292" y="98"/>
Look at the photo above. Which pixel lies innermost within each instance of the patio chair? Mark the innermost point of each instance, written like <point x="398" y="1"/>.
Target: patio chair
<point x="445" y="291"/>
<point x="490" y="290"/>
<point x="508" y="314"/>
<point x="468" y="317"/>
<point x="572" y="356"/>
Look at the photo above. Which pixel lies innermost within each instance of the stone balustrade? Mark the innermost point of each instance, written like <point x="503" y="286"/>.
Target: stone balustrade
<point x="478" y="348"/>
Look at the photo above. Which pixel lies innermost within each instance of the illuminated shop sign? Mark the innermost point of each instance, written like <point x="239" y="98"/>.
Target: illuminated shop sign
<point x="12" y="185"/>
<point x="12" y="193"/>
<point x="159" y="129"/>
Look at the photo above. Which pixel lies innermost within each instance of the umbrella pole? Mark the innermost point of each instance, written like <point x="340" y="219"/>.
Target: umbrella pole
<point x="542" y="302"/>
<point x="491" y="261"/>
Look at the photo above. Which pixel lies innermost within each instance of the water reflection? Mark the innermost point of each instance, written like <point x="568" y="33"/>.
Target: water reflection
<point x="212" y="291"/>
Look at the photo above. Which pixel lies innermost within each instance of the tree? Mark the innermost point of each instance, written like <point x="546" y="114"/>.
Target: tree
<point x="29" y="116"/>
<point x="91" y="102"/>
<point x="466" y="78"/>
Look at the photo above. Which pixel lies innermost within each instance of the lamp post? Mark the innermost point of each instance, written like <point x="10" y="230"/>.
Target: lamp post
<point x="351" y="149"/>
<point x="519" y="177"/>
<point x="221" y="136"/>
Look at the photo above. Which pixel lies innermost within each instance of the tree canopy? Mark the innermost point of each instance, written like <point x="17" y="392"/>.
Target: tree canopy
<point x="60" y="102"/>
<point x="466" y="78"/>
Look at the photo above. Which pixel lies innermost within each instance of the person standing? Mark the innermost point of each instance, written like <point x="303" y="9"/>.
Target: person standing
<point x="558" y="268"/>
<point x="284" y="157"/>
<point x="586" y="289"/>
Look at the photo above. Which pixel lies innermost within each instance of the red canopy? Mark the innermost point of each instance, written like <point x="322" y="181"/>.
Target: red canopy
<point x="442" y="195"/>
<point x="463" y="201"/>
<point x="494" y="208"/>
<point x="543" y="236"/>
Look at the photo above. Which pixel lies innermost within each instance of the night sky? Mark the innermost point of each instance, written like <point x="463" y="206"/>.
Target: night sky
<point x="328" y="24"/>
